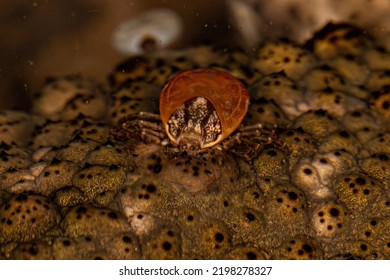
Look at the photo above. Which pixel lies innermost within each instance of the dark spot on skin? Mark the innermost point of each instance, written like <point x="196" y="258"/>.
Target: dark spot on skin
<point x="167" y="246"/>
<point x="292" y="195"/>
<point x="300" y="252"/>
<point x="66" y="242"/>
<point x="383" y="157"/>
<point x="151" y="188"/>
<point x="307" y="248"/>
<point x="272" y="153"/>
<point x="112" y="215"/>
<point x="324" y="161"/>
<point x="219" y="237"/>
<point x="251" y="256"/>
<point x="250" y="217"/>
<point x="307" y="171"/>
<point x="320" y="112"/>
<point x="157" y="168"/>
<point x="334" y="212"/>
<point x="126" y="239"/>
<point x="190" y="218"/>
<point x="21" y="197"/>
<point x="81" y="210"/>
<point x="361" y="181"/>
<point x="113" y="167"/>
<point x="33" y="250"/>
<point x="356" y="114"/>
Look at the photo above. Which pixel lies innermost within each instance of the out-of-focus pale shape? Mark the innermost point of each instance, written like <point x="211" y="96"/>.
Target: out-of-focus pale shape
<point x="246" y="21"/>
<point x="149" y="31"/>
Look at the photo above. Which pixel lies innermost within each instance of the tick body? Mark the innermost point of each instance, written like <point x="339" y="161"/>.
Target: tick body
<point x="201" y="112"/>
<point x="200" y="108"/>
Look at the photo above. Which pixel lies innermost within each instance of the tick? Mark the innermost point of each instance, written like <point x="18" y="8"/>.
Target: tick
<point x="200" y="110"/>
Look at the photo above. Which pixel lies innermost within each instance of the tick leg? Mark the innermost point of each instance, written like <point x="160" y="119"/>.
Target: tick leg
<point x="149" y="116"/>
<point x="257" y="126"/>
<point x="249" y="140"/>
<point x="151" y="136"/>
<point x="242" y="148"/>
<point x="142" y="126"/>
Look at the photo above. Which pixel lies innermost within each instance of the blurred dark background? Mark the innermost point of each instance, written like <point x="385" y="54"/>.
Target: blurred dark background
<point x="44" y="38"/>
<point x="49" y="38"/>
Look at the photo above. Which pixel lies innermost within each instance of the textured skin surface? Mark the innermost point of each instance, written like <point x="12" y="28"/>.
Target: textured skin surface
<point x="86" y="187"/>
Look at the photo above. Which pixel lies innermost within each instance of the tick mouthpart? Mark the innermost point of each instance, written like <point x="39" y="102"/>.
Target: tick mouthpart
<point x="192" y="141"/>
